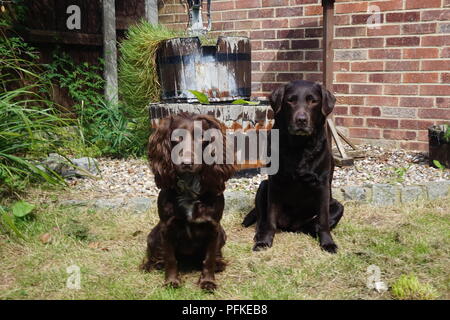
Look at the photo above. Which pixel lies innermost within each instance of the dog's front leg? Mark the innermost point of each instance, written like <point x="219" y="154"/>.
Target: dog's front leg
<point x="267" y="223"/>
<point x="207" y="279"/>
<point x="170" y="262"/>
<point x="325" y="238"/>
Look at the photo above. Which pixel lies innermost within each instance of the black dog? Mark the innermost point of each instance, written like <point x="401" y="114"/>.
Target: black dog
<point x="298" y="197"/>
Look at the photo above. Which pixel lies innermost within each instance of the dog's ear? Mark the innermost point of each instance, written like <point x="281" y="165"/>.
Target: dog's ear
<point x="328" y="101"/>
<point x="210" y="121"/>
<point x="276" y="98"/>
<point x="214" y="176"/>
<point x="159" y="154"/>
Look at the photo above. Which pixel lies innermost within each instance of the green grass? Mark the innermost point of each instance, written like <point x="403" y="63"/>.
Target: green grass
<point x="410" y="245"/>
<point x="408" y="287"/>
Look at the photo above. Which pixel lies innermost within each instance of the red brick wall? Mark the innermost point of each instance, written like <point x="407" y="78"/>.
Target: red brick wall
<point x="391" y="83"/>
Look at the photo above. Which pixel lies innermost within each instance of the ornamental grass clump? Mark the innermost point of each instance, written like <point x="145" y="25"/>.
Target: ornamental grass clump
<point x="138" y="75"/>
<point x="29" y="123"/>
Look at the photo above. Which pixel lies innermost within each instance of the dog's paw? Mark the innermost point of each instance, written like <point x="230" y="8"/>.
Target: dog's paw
<point x="144" y="267"/>
<point x="148" y="266"/>
<point x="208" y="285"/>
<point x="172" y="283"/>
<point x="261" y="245"/>
<point x="220" y="265"/>
<point x="329" y="247"/>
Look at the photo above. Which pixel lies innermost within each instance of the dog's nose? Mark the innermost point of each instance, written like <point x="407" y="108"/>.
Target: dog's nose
<point x="301" y="119"/>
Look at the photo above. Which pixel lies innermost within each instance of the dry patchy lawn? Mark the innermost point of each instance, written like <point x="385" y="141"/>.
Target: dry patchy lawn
<point x="109" y="246"/>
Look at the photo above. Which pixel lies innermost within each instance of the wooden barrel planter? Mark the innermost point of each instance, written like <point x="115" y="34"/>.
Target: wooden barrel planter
<point x="222" y="72"/>
<point x="439" y="145"/>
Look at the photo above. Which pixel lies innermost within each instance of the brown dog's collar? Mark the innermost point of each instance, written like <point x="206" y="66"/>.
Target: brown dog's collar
<point x="190" y="188"/>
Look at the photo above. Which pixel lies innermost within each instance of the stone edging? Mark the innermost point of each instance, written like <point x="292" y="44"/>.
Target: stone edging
<point x="243" y="201"/>
<point x="390" y="194"/>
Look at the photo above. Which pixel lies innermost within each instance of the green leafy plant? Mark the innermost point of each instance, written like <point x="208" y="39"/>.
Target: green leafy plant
<point x="204" y="99"/>
<point x="22" y="208"/>
<point x="447" y="133"/>
<point x="106" y="128"/>
<point x="110" y="130"/>
<point x="398" y="174"/>
<point x="14" y="12"/>
<point x="29" y="122"/>
<point x="8" y="216"/>
<point x="438" y="164"/>
<point x="401" y="172"/>
<point x="22" y="126"/>
<point x="242" y="101"/>
<point x="17" y="63"/>
<point x="7" y="222"/>
<point x="83" y="81"/>
<point x="201" y="97"/>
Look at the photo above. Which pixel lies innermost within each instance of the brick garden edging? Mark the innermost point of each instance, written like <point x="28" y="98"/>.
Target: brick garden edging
<point x="242" y="201"/>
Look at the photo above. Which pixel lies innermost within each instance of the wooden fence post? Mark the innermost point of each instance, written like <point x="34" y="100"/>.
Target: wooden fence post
<point x="110" y="51"/>
<point x="151" y="11"/>
<point x="328" y="37"/>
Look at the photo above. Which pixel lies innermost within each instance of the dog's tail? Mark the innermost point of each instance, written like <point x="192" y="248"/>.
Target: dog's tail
<point x="250" y="218"/>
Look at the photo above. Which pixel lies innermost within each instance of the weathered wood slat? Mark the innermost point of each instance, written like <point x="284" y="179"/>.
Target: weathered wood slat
<point x="41" y="14"/>
<point x="110" y="51"/>
<point x="233" y="116"/>
<point x="77" y="38"/>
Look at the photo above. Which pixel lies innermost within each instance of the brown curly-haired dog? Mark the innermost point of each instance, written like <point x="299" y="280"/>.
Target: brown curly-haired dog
<point x="190" y="204"/>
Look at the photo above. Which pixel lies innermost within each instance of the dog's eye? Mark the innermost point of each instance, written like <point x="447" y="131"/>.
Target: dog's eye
<point x="292" y="99"/>
<point x="311" y="99"/>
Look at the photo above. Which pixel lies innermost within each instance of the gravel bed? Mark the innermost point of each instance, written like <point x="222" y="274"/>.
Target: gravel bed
<point x="133" y="177"/>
